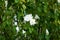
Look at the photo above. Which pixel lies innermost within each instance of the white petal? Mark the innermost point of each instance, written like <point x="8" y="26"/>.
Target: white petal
<point x="32" y="22"/>
<point x="23" y="31"/>
<point x="15" y="23"/>
<point x="47" y="32"/>
<point x="28" y="17"/>
<point x="58" y="1"/>
<point x="37" y="17"/>
<point x="6" y="3"/>
<point x="17" y="29"/>
<point x="15" y="16"/>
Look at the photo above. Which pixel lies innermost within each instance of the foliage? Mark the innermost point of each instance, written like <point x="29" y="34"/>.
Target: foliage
<point x="49" y="18"/>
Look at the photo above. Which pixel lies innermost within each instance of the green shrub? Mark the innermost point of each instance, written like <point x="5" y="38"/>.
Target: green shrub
<point x="29" y="20"/>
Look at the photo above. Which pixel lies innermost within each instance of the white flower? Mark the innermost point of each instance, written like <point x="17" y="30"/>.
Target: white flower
<point x="15" y="16"/>
<point x="15" y="23"/>
<point x="23" y="31"/>
<point x="58" y="1"/>
<point x="47" y="32"/>
<point x="28" y="17"/>
<point x="32" y="22"/>
<point x="6" y="3"/>
<point x="16" y="19"/>
<point x="17" y="29"/>
<point x="37" y="17"/>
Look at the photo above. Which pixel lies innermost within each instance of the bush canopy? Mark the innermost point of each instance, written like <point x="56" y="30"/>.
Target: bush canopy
<point x="29" y="19"/>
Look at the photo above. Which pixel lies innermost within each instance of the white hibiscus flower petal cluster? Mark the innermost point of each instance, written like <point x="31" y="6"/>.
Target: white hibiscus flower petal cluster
<point x="29" y="18"/>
